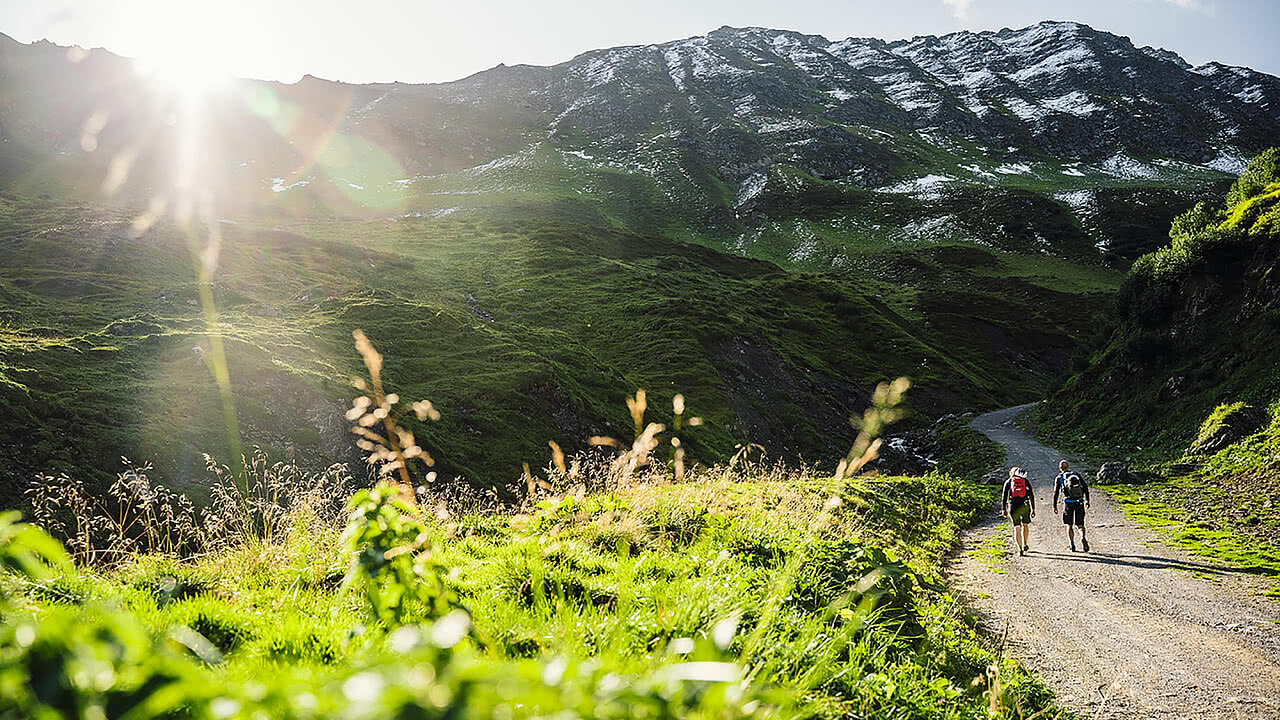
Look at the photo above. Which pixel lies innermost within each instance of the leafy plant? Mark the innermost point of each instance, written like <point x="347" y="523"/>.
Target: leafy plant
<point x="1263" y="170"/>
<point x="393" y="560"/>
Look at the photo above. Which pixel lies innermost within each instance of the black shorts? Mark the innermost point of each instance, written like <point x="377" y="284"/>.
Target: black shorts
<point x="1073" y="513"/>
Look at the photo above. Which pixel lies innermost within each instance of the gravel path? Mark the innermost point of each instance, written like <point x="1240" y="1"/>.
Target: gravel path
<point x="1133" y="629"/>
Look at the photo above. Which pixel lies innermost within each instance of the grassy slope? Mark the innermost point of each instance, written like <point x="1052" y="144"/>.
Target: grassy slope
<point x="607" y="585"/>
<point x="523" y="323"/>
<point x="1195" y="335"/>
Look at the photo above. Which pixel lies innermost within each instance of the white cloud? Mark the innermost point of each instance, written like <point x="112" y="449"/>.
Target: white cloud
<point x="1207" y="6"/>
<point x="960" y="8"/>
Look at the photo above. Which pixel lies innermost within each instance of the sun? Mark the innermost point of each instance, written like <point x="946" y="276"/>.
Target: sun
<point x="181" y="48"/>
<point x="188" y="74"/>
<point x="188" y="77"/>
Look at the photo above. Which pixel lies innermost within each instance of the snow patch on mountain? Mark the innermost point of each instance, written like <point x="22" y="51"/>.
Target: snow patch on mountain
<point x="1251" y="94"/>
<point x="932" y="229"/>
<point x="979" y="171"/>
<point x="1123" y="166"/>
<point x="675" y="67"/>
<point x="1025" y="110"/>
<point x="857" y="54"/>
<point x="785" y="124"/>
<point x="751" y="187"/>
<point x="929" y="186"/>
<point x="1228" y="162"/>
<point x="600" y="69"/>
<point x="1014" y="169"/>
<point x="369" y="106"/>
<point x="1057" y="55"/>
<point x="907" y="92"/>
<point x="279" y="184"/>
<point x="802" y="54"/>
<point x="704" y="63"/>
<point x="807" y="248"/>
<point x="438" y="213"/>
<point x="1073" y="103"/>
<point x="1083" y="202"/>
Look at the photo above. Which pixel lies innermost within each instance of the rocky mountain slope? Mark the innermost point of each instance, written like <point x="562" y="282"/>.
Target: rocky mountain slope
<point x="1197" y="325"/>
<point x="769" y="143"/>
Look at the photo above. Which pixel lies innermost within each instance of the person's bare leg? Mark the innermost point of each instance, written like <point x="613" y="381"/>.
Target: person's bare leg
<point x="1083" y="540"/>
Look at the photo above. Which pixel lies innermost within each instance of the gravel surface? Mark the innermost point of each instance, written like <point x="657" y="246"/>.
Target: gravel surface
<point x="1132" y="629"/>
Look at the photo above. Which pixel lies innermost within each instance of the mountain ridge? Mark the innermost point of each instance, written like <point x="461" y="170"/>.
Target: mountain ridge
<point x="729" y="138"/>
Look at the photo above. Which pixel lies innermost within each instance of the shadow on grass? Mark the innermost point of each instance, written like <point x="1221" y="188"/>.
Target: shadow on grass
<point x="1153" y="562"/>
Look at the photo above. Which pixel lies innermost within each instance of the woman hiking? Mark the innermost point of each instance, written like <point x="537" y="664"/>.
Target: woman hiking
<point x="1018" y="503"/>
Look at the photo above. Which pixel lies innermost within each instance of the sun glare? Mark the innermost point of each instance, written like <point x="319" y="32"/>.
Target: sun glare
<point x="185" y="73"/>
<point x="181" y="47"/>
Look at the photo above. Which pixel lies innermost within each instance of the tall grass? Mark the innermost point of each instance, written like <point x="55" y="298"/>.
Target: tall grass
<point x="256" y="503"/>
<point x="625" y="582"/>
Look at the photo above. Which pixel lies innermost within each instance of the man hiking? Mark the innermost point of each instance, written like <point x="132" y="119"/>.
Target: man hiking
<point x="1075" y="499"/>
<point x="1018" y="503"/>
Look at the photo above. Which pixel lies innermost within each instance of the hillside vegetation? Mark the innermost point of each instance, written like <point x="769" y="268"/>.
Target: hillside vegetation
<point x="764" y="221"/>
<point x="1185" y="379"/>
<point x="521" y="327"/>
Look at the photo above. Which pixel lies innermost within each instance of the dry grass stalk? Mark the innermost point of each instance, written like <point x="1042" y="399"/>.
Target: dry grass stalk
<point x="884" y="411"/>
<point x="392" y="450"/>
<point x="261" y="502"/>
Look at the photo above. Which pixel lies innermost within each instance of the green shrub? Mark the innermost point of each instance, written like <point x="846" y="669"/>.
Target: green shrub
<point x="1262" y="170"/>
<point x="1227" y="423"/>
<point x="393" y="561"/>
<point x="869" y="575"/>
<point x="170" y="585"/>
<point x="294" y="644"/>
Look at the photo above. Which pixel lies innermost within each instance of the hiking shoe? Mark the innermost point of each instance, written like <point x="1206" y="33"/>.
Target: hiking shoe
<point x="1085" y="543"/>
<point x="1073" y="546"/>
<point x="1026" y="548"/>
<point x="1021" y="552"/>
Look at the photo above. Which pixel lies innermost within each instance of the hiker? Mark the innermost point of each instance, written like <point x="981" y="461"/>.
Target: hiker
<point x="1018" y="503"/>
<point x="1075" y="500"/>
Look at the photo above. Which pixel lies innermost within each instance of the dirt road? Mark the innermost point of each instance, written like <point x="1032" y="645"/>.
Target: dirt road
<point x="1133" y="629"/>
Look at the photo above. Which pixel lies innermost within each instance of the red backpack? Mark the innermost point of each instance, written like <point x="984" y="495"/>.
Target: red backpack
<point x="1018" y="487"/>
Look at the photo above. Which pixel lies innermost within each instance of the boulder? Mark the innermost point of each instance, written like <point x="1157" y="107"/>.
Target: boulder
<point x="995" y="477"/>
<point x="1116" y="473"/>
<point x="907" y="454"/>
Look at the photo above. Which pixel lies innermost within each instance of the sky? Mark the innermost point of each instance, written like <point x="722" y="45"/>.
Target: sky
<point x="432" y="41"/>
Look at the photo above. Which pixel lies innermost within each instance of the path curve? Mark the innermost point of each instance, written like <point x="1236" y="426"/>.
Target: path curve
<point x="1131" y="630"/>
